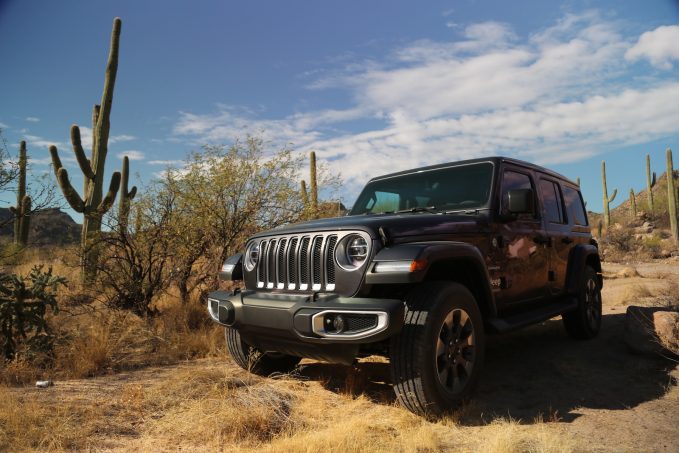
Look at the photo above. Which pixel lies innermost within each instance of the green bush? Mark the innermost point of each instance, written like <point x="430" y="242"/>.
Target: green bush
<point x="24" y="301"/>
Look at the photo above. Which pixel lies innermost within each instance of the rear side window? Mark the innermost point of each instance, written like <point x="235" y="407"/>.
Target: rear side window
<point x="574" y="206"/>
<point x="551" y="198"/>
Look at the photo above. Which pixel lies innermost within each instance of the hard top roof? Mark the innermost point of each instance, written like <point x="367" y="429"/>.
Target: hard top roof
<point x="493" y="159"/>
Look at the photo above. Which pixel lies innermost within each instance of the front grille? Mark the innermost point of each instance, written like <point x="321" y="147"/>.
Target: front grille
<point x="304" y="262"/>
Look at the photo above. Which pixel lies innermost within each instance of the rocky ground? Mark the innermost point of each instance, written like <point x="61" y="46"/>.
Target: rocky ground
<point x="540" y="391"/>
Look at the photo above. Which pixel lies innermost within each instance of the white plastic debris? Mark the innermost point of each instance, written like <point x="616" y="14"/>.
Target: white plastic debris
<point x="43" y="384"/>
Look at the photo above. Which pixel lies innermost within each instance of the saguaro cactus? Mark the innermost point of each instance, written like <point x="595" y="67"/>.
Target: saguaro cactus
<point x="607" y="200"/>
<point x="125" y="196"/>
<point x="313" y="182"/>
<point x="671" y="197"/>
<point x="632" y="204"/>
<point x="21" y="211"/>
<point x="650" y="183"/>
<point x="304" y="194"/>
<point x="93" y="204"/>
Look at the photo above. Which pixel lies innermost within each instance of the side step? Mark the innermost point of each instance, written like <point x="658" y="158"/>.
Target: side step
<point x="534" y="316"/>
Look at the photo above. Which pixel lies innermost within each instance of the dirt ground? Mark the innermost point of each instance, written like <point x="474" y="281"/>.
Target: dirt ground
<point x="584" y="396"/>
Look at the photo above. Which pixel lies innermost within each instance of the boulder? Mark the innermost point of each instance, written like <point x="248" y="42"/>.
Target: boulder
<point x="652" y="331"/>
<point x="666" y="327"/>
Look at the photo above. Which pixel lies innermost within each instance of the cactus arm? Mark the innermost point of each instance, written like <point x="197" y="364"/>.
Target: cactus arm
<point x="612" y="197"/>
<point x="131" y="194"/>
<point x="110" y="197"/>
<point x="13" y="210"/>
<point x="653" y="181"/>
<point x="56" y="162"/>
<point x="69" y="192"/>
<point x="80" y="153"/>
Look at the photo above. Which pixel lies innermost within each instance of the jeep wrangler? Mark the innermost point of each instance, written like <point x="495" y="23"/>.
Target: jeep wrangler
<point x="427" y="262"/>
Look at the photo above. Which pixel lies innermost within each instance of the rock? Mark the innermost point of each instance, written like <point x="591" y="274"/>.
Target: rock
<point x="665" y="253"/>
<point x="666" y="324"/>
<point x="643" y="335"/>
<point x="627" y="272"/>
<point x="644" y="229"/>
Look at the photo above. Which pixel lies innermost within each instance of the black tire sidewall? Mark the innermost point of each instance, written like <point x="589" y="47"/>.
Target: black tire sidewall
<point x="434" y="300"/>
<point x="455" y="296"/>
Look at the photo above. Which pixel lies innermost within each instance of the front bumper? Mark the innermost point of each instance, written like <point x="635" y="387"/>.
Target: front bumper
<point x="305" y="318"/>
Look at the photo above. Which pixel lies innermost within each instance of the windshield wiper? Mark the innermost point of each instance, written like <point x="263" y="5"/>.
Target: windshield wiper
<point x="467" y="211"/>
<point x="418" y="209"/>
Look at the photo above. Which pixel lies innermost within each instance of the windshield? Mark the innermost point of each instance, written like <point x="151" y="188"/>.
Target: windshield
<point x="462" y="187"/>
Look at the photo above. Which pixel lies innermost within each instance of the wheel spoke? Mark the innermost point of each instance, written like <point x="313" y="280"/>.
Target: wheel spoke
<point x="440" y="348"/>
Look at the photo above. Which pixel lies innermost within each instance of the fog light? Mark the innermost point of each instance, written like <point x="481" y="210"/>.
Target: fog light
<point x="339" y="324"/>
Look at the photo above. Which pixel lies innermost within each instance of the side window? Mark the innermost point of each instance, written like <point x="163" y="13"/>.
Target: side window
<point x="512" y="180"/>
<point x="551" y="198"/>
<point x="575" y="206"/>
<point x="384" y="202"/>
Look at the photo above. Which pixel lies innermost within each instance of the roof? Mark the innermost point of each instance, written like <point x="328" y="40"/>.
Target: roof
<point x="493" y="159"/>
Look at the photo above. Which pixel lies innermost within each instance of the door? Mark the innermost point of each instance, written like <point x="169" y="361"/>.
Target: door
<point x="520" y="259"/>
<point x="558" y="231"/>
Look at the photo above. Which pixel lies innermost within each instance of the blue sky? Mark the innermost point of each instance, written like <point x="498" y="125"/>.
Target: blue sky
<point x="372" y="86"/>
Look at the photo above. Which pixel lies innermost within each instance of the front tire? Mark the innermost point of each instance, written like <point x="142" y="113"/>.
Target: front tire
<point x="437" y="357"/>
<point x="585" y="322"/>
<point x="255" y="361"/>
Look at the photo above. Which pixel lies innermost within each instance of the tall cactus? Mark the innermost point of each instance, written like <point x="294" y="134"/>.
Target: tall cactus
<point x="313" y="183"/>
<point x="125" y="196"/>
<point x="21" y="211"/>
<point x="671" y="197"/>
<point x="93" y="205"/>
<point x="607" y="200"/>
<point x="632" y="204"/>
<point x="577" y="181"/>
<point x="650" y="183"/>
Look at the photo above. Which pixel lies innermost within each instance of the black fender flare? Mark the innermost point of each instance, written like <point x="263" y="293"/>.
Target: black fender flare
<point x="426" y="255"/>
<point x="577" y="260"/>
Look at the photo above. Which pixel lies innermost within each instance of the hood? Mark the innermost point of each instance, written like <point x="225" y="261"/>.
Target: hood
<point x="395" y="225"/>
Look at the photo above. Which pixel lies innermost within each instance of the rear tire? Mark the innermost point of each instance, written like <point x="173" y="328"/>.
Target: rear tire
<point x="255" y="361"/>
<point x="437" y="357"/>
<point x="585" y="322"/>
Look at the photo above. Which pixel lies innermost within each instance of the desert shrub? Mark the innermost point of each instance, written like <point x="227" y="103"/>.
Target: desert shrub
<point x="653" y="244"/>
<point x="620" y="239"/>
<point x="24" y="301"/>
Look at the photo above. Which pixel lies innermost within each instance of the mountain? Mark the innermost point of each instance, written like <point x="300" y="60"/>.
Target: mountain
<point x="48" y="227"/>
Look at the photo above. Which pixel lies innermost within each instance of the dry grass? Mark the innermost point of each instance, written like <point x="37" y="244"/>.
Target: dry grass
<point x="209" y="406"/>
<point x="28" y="424"/>
<point x="508" y="436"/>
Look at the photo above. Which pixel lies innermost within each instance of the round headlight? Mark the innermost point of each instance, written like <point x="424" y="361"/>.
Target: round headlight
<point x="251" y="256"/>
<point x="357" y="250"/>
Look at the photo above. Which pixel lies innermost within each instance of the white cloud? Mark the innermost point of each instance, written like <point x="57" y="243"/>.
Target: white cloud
<point x="86" y="137"/>
<point x="560" y="95"/>
<point x="4" y="126"/>
<point x="659" y="46"/>
<point x="32" y="119"/>
<point x="131" y="154"/>
<point x="39" y="142"/>
<point x="166" y="163"/>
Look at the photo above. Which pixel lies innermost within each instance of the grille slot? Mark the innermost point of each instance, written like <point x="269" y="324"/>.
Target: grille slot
<point x="359" y="323"/>
<point x="298" y="262"/>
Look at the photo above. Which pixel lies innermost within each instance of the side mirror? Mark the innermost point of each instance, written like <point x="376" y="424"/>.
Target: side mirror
<point x="232" y="268"/>
<point x="520" y="201"/>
